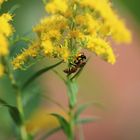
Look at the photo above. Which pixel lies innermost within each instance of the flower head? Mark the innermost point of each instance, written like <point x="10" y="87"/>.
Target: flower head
<point x="6" y="30"/>
<point x="55" y="6"/>
<point x="75" y="25"/>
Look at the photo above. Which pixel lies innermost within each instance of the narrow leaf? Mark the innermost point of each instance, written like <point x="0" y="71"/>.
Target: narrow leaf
<point x="13" y="111"/>
<point x="14" y="8"/>
<point x="2" y="102"/>
<point x="83" y="107"/>
<point x="64" y="124"/>
<point x="80" y="121"/>
<point x="15" y="115"/>
<point x="39" y="73"/>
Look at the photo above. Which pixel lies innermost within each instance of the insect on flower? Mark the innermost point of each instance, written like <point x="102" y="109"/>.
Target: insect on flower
<point x="79" y="62"/>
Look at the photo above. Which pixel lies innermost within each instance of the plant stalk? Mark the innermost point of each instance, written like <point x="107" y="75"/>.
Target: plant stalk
<point x="22" y="127"/>
<point x="72" y="125"/>
<point x="23" y="132"/>
<point x="72" y="103"/>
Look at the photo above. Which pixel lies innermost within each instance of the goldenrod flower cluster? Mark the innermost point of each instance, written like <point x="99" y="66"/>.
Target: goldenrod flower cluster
<point x="6" y="31"/>
<point x="75" y="25"/>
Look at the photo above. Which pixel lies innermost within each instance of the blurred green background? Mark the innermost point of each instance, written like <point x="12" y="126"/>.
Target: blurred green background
<point x="132" y="6"/>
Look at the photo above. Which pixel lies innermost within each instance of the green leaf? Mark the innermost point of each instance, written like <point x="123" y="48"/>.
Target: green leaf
<point x="63" y="123"/>
<point x="15" y="115"/>
<point x="14" y="8"/>
<point x="13" y="111"/>
<point x="83" y="107"/>
<point x="2" y="102"/>
<point x="72" y="88"/>
<point x="53" y="131"/>
<point x="39" y="73"/>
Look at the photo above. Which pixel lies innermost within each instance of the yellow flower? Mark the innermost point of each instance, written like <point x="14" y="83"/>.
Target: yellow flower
<point x="6" y="30"/>
<point x="75" y="34"/>
<point x="53" y="34"/>
<point x="3" y="45"/>
<point x="47" y="47"/>
<point x="102" y="48"/>
<point x="92" y="24"/>
<point x="80" y="19"/>
<point x="55" y="22"/>
<point x="55" y="6"/>
<point x="32" y="51"/>
<point x="120" y="33"/>
<point x="5" y="27"/>
<point x="87" y="3"/>
<point x="18" y="61"/>
<point x="63" y="51"/>
<point x="116" y="26"/>
<point x="75" y="25"/>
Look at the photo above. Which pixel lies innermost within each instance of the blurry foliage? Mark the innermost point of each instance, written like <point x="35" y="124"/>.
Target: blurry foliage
<point x="132" y="6"/>
<point x="31" y="99"/>
<point x="34" y="8"/>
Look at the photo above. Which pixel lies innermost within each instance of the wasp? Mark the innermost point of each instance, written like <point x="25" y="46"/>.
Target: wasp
<point x="79" y="62"/>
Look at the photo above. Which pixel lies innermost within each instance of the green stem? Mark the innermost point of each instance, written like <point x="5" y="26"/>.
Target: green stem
<point x="72" y="103"/>
<point x="72" y="125"/>
<point x="23" y="131"/>
<point x="22" y="127"/>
